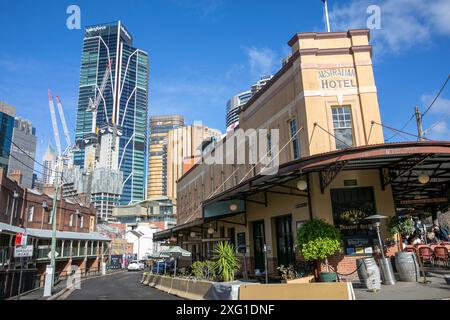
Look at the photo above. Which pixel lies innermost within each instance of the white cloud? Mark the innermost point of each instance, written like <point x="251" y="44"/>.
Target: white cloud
<point x="440" y="129"/>
<point x="262" y="61"/>
<point x="440" y="107"/>
<point x="202" y="7"/>
<point x="404" y="23"/>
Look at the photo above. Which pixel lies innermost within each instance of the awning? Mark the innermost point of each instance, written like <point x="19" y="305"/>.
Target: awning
<point x="7" y="228"/>
<point x="166" y="234"/>
<point x="400" y="165"/>
<point x="66" y="235"/>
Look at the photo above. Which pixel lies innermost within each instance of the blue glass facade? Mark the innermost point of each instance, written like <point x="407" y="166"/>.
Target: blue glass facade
<point x="124" y="101"/>
<point x="6" y="135"/>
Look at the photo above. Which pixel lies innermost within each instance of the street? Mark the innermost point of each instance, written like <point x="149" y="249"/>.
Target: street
<point x="120" y="286"/>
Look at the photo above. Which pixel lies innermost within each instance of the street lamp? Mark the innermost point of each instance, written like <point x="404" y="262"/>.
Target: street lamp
<point x="385" y="264"/>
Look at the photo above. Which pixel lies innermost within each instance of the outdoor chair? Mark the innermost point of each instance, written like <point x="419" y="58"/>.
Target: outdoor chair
<point x="441" y="255"/>
<point x="410" y="249"/>
<point x="426" y="254"/>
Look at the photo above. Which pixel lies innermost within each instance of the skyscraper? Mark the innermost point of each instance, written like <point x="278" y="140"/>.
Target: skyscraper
<point x="233" y="105"/>
<point x="7" y="114"/>
<point x="157" y="152"/>
<point x="120" y="120"/>
<point x="24" y="138"/>
<point x="48" y="162"/>
<point x="184" y="144"/>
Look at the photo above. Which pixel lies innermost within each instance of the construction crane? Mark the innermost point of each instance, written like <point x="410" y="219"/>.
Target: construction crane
<point x="54" y="123"/>
<point x="93" y="104"/>
<point x="63" y="121"/>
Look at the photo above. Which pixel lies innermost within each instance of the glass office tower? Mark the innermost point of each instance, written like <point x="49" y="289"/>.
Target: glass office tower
<point x="123" y="102"/>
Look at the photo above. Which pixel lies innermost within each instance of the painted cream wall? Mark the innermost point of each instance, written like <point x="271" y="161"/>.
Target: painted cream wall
<point x="321" y="203"/>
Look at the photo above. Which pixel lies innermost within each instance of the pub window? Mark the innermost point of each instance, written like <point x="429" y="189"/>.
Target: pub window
<point x="294" y="139"/>
<point x="343" y="126"/>
<point x="350" y="207"/>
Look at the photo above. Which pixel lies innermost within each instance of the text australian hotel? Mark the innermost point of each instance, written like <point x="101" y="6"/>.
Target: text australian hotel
<point x="333" y="162"/>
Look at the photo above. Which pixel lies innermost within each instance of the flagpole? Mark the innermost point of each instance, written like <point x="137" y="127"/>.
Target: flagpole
<point x="327" y="19"/>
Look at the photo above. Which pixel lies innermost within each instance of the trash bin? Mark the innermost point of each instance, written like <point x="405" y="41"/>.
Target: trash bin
<point x="369" y="273"/>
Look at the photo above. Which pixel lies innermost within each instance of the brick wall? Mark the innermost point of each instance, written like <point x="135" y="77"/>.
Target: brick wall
<point x="41" y="215"/>
<point x="345" y="265"/>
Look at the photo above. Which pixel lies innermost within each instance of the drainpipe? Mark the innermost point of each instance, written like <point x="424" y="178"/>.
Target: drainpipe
<point x="309" y="197"/>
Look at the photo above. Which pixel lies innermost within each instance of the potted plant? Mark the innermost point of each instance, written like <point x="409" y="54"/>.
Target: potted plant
<point x="295" y="274"/>
<point x="317" y="240"/>
<point x="227" y="263"/>
<point x="400" y="227"/>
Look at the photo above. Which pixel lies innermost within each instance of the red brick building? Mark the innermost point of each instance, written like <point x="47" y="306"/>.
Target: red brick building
<point x="78" y="244"/>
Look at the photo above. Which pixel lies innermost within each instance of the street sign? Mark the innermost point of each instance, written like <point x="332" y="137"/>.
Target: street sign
<point x="21" y="239"/>
<point x="23" y="251"/>
<point x="49" y="255"/>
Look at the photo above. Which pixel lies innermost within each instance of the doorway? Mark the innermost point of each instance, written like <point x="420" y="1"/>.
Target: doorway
<point x="258" y="244"/>
<point x="285" y="242"/>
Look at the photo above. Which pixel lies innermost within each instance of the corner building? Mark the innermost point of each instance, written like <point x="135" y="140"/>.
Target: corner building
<point x="333" y="164"/>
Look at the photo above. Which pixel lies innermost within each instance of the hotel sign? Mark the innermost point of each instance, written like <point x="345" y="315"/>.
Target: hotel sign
<point x="337" y="78"/>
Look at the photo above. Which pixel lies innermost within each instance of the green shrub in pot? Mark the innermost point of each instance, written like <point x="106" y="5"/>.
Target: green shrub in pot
<point x="318" y="240"/>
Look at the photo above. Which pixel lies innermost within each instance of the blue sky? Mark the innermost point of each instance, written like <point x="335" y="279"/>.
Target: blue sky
<point x="202" y="52"/>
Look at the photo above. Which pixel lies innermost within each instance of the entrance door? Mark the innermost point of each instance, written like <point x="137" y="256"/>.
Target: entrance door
<point x="285" y="242"/>
<point x="258" y="244"/>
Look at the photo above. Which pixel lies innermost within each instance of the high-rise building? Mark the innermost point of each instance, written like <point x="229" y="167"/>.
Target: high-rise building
<point x="239" y="100"/>
<point x="157" y="152"/>
<point x="7" y="114"/>
<point x="120" y="120"/>
<point x="23" y="151"/>
<point x="261" y="83"/>
<point x="184" y="144"/>
<point x="233" y="106"/>
<point x="48" y="162"/>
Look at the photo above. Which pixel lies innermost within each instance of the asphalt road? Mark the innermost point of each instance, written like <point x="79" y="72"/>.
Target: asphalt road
<point x="120" y="286"/>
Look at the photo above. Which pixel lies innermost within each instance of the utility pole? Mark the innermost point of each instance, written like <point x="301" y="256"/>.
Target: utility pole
<point x="419" y="124"/>
<point x="54" y="209"/>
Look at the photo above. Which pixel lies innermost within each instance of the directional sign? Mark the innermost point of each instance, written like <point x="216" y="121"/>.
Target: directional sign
<point x="23" y="251"/>
<point x="49" y="255"/>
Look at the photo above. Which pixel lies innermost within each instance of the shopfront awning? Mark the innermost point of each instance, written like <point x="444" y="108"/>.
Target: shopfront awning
<point x="7" y="228"/>
<point x="166" y="234"/>
<point x="400" y="165"/>
<point x="66" y="235"/>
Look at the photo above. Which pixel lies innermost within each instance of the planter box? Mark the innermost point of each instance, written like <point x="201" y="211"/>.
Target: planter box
<point x="307" y="279"/>
<point x="185" y="288"/>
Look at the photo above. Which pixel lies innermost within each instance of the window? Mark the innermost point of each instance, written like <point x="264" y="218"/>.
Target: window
<point x="294" y="139"/>
<point x="50" y="217"/>
<point x="71" y="220"/>
<point x="343" y="127"/>
<point x="81" y="221"/>
<point x="30" y="213"/>
<point x="269" y="145"/>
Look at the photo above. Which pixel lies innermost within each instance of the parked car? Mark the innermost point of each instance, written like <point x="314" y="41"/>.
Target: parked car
<point x="160" y="266"/>
<point x="135" y="266"/>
